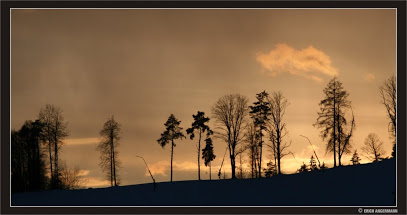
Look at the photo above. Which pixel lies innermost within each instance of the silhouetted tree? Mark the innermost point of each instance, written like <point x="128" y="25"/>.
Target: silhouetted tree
<point x="312" y="164"/>
<point x="388" y="92"/>
<point x="373" y="147"/>
<point x="323" y="166"/>
<point x="208" y="154"/>
<point x="277" y="128"/>
<point x="27" y="164"/>
<point x="230" y="112"/>
<point x="172" y="132"/>
<point x="355" y="158"/>
<point x="331" y="118"/>
<point x="55" y="130"/>
<point x="109" y="161"/>
<point x="270" y="170"/>
<point x="260" y="112"/>
<point x="393" y="152"/>
<point x="303" y="168"/>
<point x="345" y="135"/>
<point x="251" y="138"/>
<point x="71" y="178"/>
<point x="199" y="126"/>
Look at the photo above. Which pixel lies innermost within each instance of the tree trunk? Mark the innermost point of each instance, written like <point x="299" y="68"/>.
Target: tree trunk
<point x="334" y="131"/>
<point x="232" y="161"/>
<point x="261" y="151"/>
<point x="339" y="136"/>
<point x="114" y="164"/>
<point x="172" y="155"/>
<point x="199" y="160"/>
<point x="50" y="159"/>
<point x="56" y="171"/>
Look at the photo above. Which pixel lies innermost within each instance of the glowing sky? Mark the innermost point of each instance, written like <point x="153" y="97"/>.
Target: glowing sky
<point x="143" y="65"/>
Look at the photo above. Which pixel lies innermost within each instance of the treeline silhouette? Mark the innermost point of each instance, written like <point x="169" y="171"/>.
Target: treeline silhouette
<point x="246" y="130"/>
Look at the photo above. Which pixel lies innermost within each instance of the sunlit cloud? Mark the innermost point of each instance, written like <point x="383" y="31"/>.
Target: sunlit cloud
<point x="96" y="182"/>
<point x="163" y="167"/>
<point x="369" y="77"/>
<point x="83" y="172"/>
<point x="81" y="141"/>
<point x="310" y="62"/>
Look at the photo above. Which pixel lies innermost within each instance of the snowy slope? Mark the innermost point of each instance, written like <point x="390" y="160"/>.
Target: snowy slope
<point x="361" y="185"/>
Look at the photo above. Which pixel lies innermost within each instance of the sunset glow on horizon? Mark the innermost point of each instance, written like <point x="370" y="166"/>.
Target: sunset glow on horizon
<point x="143" y="65"/>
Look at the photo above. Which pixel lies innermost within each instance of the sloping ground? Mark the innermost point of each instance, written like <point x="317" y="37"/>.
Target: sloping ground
<point x="360" y="185"/>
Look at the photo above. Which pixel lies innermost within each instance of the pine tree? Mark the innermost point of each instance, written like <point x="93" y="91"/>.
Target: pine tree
<point x="355" y="158"/>
<point x="208" y="155"/>
<point x="323" y="166"/>
<point x="200" y="126"/>
<point x="271" y="169"/>
<point x="303" y="168"/>
<point x="260" y="112"/>
<point x="312" y="164"/>
<point x="172" y="132"/>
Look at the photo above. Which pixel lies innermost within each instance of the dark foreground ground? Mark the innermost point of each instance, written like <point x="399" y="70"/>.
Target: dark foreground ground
<point x="361" y="185"/>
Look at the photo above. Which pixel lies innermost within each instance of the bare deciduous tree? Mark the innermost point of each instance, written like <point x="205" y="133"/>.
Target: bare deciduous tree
<point x="71" y="178"/>
<point x="373" y="147"/>
<point x="388" y="92"/>
<point x="277" y="128"/>
<point x="55" y="130"/>
<point x="331" y="119"/>
<point x="230" y="112"/>
<point x="109" y="162"/>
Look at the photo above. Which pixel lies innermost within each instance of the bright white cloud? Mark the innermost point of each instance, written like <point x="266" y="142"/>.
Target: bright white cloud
<point x="310" y="62"/>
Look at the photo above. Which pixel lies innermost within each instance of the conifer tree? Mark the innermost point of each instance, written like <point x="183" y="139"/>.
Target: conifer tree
<point x="355" y="158"/>
<point x="323" y="166"/>
<point x="312" y="164"/>
<point x="260" y="112"/>
<point x="208" y="155"/>
<point x="172" y="132"/>
<point x="270" y="170"/>
<point x="199" y="126"/>
<point x="303" y="168"/>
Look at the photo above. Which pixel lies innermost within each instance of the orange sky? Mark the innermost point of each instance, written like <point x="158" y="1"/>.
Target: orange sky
<point x="142" y="65"/>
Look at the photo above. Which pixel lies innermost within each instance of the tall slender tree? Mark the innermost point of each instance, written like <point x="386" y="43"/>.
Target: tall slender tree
<point x="388" y="92"/>
<point x="260" y="112"/>
<point x="331" y="119"/>
<point x="230" y="112"/>
<point x="277" y="128"/>
<point x="200" y="127"/>
<point x="251" y="139"/>
<point x="55" y="130"/>
<point x="172" y="132"/>
<point x="109" y="161"/>
<point x="208" y="155"/>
